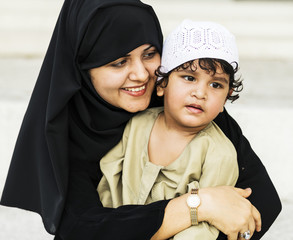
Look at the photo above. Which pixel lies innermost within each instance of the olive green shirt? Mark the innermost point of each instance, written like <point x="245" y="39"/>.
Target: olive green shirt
<point x="130" y="178"/>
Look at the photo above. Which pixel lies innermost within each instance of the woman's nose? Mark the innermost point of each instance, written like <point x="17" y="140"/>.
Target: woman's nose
<point x="138" y="72"/>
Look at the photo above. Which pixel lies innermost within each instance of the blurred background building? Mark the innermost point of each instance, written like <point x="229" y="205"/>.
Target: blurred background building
<point x="264" y="33"/>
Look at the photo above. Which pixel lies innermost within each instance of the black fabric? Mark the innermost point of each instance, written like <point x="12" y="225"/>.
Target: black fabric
<point x="67" y="127"/>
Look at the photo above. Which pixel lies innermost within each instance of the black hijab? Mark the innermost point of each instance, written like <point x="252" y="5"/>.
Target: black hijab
<point x="66" y="120"/>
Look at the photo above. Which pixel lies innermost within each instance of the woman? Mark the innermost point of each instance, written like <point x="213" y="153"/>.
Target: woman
<point x="70" y="124"/>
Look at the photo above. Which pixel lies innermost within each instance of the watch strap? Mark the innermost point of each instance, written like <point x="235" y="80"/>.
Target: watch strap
<point x="193" y="210"/>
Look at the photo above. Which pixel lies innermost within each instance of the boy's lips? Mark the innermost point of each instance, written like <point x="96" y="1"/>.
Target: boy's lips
<point x="195" y="108"/>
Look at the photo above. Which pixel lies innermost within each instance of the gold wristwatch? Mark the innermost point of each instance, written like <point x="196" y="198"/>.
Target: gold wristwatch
<point x="193" y="201"/>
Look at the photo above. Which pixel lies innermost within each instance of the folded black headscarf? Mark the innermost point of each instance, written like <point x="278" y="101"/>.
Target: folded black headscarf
<point x="66" y="119"/>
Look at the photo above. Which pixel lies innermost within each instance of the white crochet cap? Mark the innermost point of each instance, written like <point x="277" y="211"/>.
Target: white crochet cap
<point x="194" y="40"/>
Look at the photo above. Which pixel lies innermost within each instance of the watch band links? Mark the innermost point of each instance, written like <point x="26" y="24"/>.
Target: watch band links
<point x="193" y="210"/>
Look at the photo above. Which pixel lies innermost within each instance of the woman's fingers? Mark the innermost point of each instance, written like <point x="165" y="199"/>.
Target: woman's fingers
<point x="257" y="218"/>
<point x="247" y="233"/>
<point x="228" y="210"/>
<point x="251" y="227"/>
<point x="244" y="235"/>
<point x="233" y="236"/>
<point x="255" y="213"/>
<point x="243" y="192"/>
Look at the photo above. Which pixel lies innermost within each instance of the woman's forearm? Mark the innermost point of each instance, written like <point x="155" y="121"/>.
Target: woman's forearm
<point x="224" y="207"/>
<point x="84" y="214"/>
<point x="176" y="218"/>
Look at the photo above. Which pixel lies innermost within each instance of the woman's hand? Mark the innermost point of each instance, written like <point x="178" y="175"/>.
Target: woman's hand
<point x="224" y="207"/>
<point x="228" y="210"/>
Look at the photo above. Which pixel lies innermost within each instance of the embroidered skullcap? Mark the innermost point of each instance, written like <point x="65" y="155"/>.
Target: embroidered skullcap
<point x="193" y="40"/>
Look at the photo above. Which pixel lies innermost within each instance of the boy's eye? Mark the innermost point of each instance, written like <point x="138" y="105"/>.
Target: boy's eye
<point x="189" y="78"/>
<point x="216" y="85"/>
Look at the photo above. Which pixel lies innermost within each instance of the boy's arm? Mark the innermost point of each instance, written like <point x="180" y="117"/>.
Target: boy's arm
<point x="110" y="185"/>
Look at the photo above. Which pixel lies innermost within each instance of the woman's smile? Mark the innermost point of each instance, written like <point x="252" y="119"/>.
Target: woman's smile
<point x="135" y="91"/>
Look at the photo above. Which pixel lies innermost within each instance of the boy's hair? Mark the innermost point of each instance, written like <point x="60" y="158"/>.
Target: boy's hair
<point x="210" y="65"/>
<point x="211" y="43"/>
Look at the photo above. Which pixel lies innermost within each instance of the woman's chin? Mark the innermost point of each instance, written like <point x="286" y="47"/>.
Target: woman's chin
<point x="138" y="107"/>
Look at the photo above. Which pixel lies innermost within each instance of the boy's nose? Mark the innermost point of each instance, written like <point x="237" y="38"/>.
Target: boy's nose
<point x="199" y="92"/>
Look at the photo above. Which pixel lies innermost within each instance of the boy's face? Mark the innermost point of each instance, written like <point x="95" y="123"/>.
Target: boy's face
<point x="192" y="99"/>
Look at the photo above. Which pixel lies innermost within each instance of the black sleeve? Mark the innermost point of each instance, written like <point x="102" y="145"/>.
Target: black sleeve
<point x="85" y="218"/>
<point x="252" y="174"/>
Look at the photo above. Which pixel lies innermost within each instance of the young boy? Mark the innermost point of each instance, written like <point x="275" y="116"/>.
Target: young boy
<point x="166" y="152"/>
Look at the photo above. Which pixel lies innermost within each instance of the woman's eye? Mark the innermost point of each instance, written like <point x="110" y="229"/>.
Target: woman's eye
<point x="119" y="63"/>
<point x="150" y="54"/>
<point x="216" y="85"/>
<point x="189" y="78"/>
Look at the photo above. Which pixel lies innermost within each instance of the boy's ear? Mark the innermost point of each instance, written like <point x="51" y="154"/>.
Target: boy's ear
<point x="229" y="93"/>
<point x="160" y="91"/>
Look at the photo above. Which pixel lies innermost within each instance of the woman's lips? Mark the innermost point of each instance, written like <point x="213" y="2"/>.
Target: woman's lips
<point x="135" y="91"/>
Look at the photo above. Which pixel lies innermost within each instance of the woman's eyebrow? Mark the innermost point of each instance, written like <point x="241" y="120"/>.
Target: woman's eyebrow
<point x="150" y="46"/>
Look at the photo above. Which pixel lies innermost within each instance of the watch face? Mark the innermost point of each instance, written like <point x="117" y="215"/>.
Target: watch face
<point x="193" y="200"/>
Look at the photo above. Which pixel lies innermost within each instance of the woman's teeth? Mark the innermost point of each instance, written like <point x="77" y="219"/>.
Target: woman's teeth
<point x="135" y="89"/>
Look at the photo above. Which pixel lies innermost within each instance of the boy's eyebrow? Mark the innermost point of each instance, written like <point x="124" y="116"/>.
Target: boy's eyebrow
<point x="221" y="79"/>
<point x="217" y="78"/>
<point x="187" y="70"/>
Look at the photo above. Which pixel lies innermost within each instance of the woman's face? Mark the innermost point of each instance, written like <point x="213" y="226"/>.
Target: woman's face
<point x="128" y="82"/>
